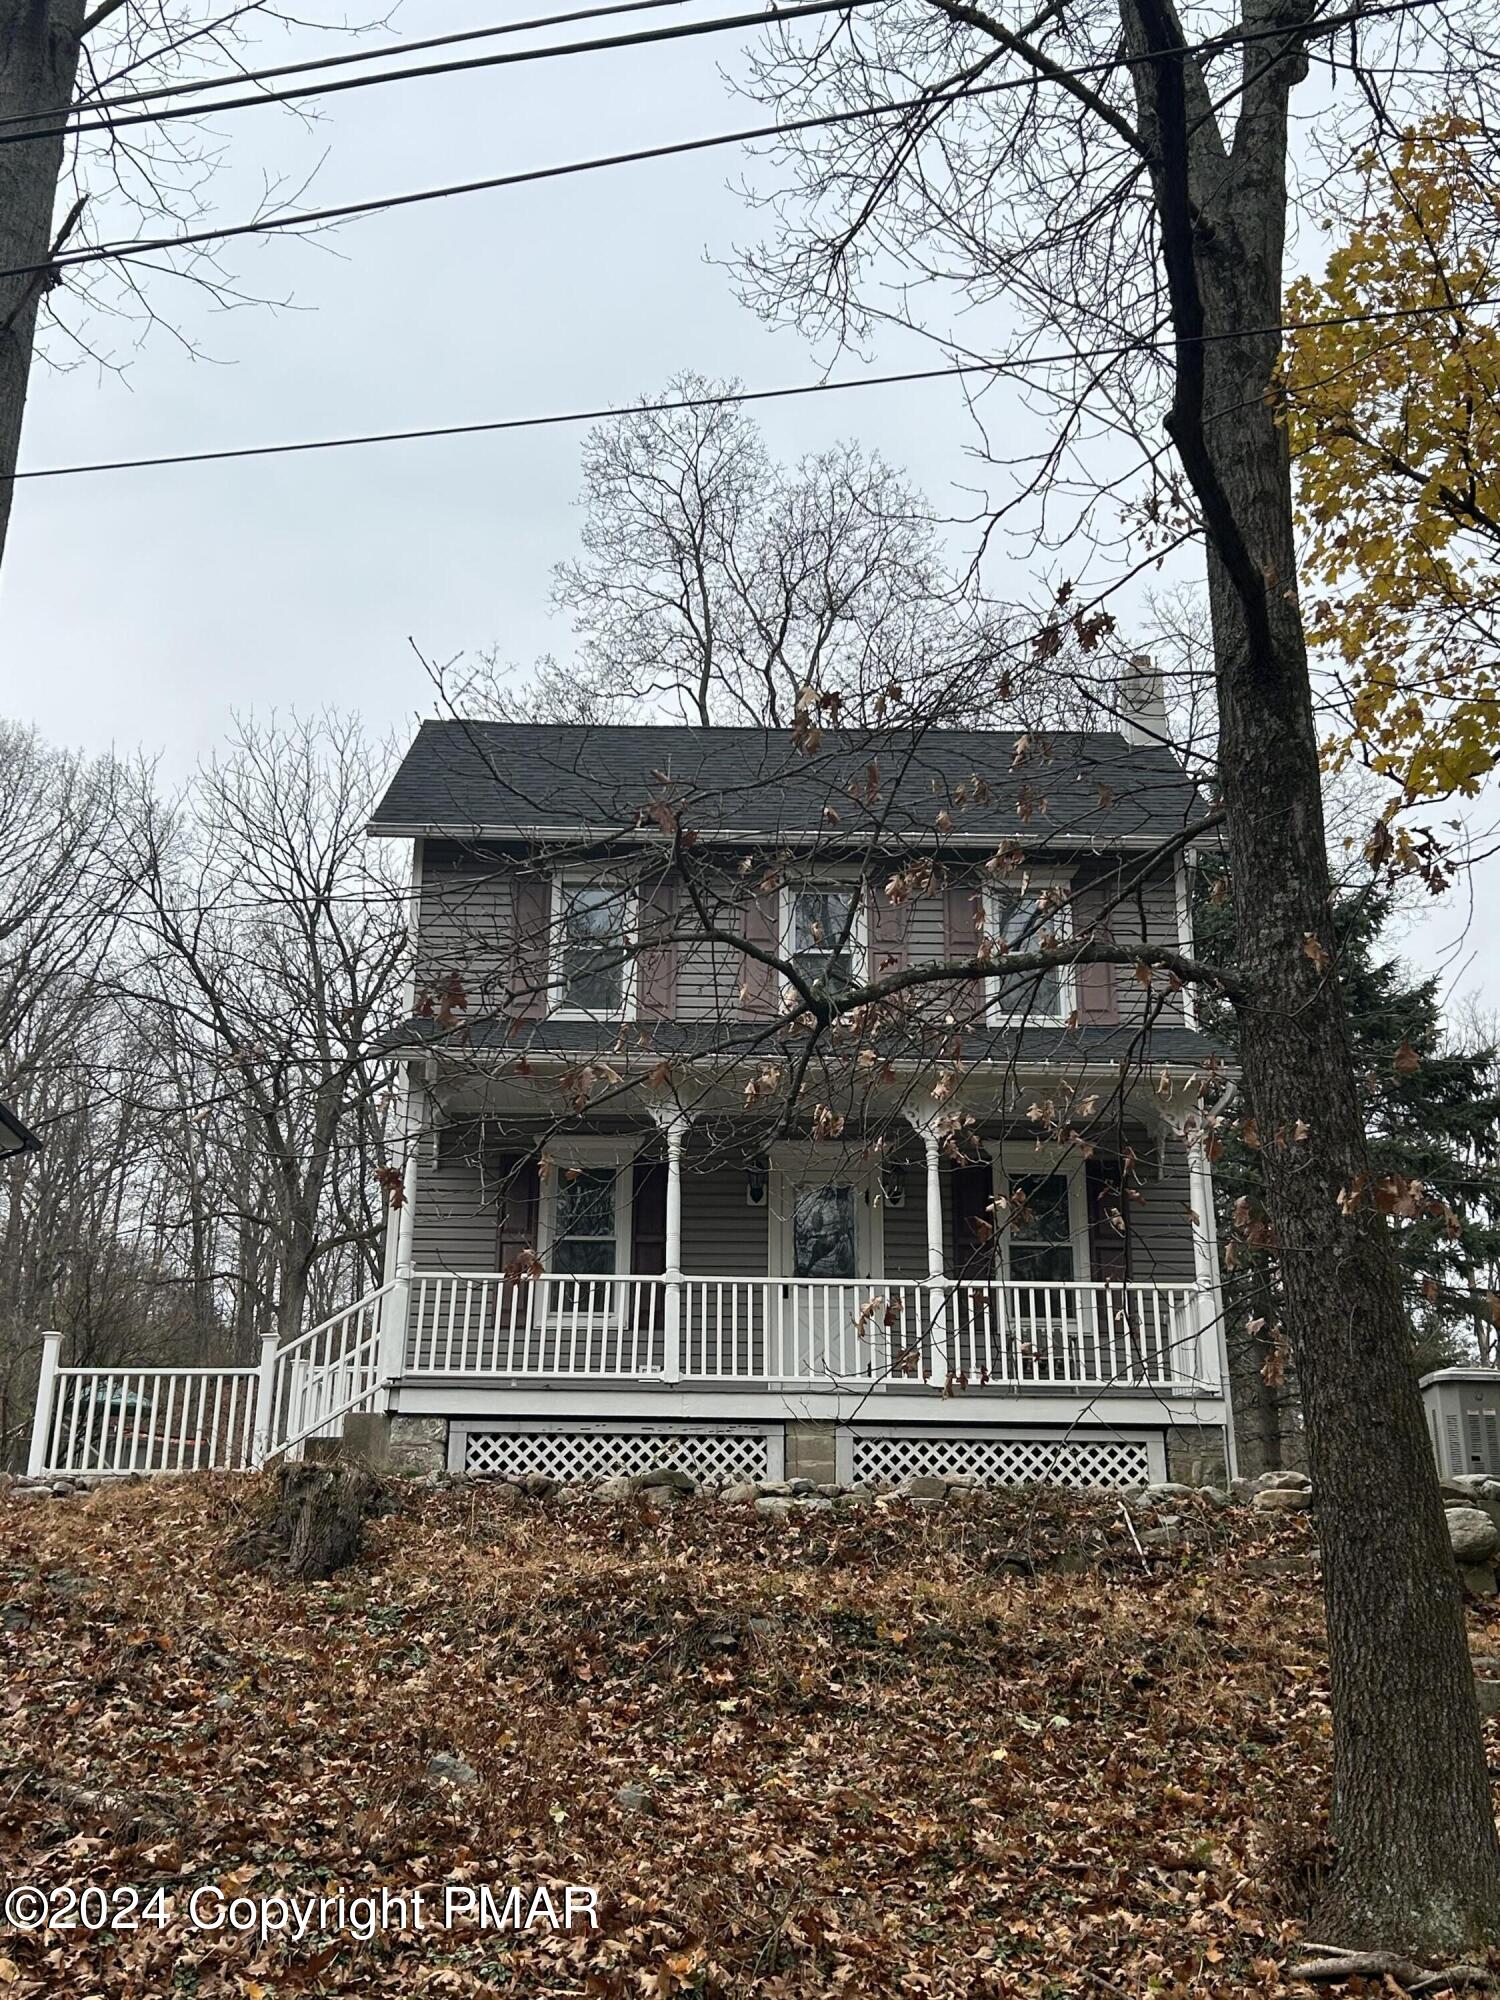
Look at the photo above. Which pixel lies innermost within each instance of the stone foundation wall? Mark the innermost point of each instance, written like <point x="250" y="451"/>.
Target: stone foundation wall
<point x="418" y="1445"/>
<point x="1196" y="1455"/>
<point x="812" y="1452"/>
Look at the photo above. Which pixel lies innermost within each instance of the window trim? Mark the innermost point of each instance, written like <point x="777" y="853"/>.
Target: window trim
<point x="825" y="882"/>
<point x="564" y="1156"/>
<point x="1020" y="1161"/>
<point x="563" y="880"/>
<point x="1034" y="882"/>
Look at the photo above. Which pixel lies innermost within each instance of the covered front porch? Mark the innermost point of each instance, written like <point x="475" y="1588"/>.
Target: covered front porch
<point x="651" y="1246"/>
<point x="649" y="1267"/>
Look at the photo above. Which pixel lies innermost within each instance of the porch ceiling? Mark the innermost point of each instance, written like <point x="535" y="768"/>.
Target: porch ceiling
<point x="626" y="1088"/>
<point x="998" y="1108"/>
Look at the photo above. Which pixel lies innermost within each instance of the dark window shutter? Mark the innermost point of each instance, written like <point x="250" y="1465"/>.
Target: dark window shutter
<point x="648" y="1219"/>
<point x="1098" y="999"/>
<point x="961" y="908"/>
<point x="758" y="982"/>
<point x="960" y="921"/>
<point x="657" y="974"/>
<point x="1109" y="1246"/>
<point x="972" y="1221"/>
<point x="648" y="1239"/>
<point x="516" y="1229"/>
<point x="530" y="998"/>
<point x="888" y="923"/>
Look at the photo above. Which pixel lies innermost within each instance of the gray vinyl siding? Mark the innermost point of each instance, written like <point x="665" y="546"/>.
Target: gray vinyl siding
<point x="465" y="926"/>
<point x="709" y="971"/>
<point x="1161" y="1230"/>
<point x="905" y="1228"/>
<point x="1147" y="911"/>
<point x="922" y="929"/>
<point x="455" y="1223"/>
<point x="466" y="921"/>
<point x="722" y="1235"/>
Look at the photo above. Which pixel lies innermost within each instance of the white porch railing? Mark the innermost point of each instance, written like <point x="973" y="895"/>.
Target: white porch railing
<point x="812" y="1332"/>
<point x="807" y="1330"/>
<point x="120" y="1420"/>
<point x="123" y="1420"/>
<point x="313" y="1382"/>
<point x="481" y="1323"/>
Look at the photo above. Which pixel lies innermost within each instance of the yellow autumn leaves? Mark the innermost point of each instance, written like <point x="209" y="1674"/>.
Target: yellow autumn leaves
<point x="1390" y="390"/>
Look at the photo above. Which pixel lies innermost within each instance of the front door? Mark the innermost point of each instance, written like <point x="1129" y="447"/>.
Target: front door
<point x="826" y="1254"/>
<point x="1041" y="1259"/>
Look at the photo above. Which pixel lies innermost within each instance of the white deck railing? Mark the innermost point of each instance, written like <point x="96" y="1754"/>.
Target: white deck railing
<point x="121" y="1420"/>
<point x="116" y="1421"/>
<point x="806" y="1330"/>
<point x="814" y="1333"/>
<point x="318" y="1378"/>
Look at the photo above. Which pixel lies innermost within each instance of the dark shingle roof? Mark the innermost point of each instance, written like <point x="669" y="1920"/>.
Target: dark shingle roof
<point x="500" y="778"/>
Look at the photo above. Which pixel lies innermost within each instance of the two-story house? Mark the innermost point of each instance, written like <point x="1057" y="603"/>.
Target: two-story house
<point x="736" y="1139"/>
<point x="969" y="1237"/>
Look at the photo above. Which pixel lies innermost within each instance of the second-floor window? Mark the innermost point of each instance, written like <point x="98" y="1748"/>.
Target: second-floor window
<point x="592" y="960"/>
<point x="823" y="924"/>
<point x="1025" y="920"/>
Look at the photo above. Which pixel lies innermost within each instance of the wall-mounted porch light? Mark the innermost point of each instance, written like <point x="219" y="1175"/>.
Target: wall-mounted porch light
<point x="757" y="1183"/>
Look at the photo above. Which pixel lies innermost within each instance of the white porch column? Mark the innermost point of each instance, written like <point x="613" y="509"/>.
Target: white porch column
<point x="395" y="1307"/>
<point x="265" y="1400"/>
<point x="46" y="1396"/>
<point x="675" y="1126"/>
<point x="938" y="1284"/>
<point x="1213" y="1344"/>
<point x="933" y="1152"/>
<point x="1208" y="1305"/>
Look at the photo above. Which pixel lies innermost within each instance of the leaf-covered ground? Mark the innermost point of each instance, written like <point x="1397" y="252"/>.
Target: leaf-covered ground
<point x="991" y="1750"/>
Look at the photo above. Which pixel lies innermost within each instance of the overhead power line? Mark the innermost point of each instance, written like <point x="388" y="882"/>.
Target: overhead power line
<point x="378" y="204"/>
<point x="193" y="86"/>
<point x="1230" y="38"/>
<point x="1117" y="350"/>
<point x="745" y="135"/>
<point x="505" y="423"/>
<point x="679" y="31"/>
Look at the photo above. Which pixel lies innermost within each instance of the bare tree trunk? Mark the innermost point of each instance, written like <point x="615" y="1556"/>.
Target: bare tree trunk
<point x="39" y="43"/>
<point x="1417" y="1857"/>
<point x="1260" y="1405"/>
<point x="1418" y="1864"/>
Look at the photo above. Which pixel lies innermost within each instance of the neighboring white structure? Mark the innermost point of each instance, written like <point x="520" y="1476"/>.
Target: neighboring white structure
<point x="663" y="1269"/>
<point x="1463" y="1419"/>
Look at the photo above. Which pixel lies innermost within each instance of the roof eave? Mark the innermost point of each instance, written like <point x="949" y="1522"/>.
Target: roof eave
<point x="756" y="837"/>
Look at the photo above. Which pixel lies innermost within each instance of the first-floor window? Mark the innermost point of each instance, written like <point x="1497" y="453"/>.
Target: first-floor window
<point x="1022" y="924"/>
<point x="584" y="1242"/>
<point x="1039" y="1236"/>
<point x="593" y="947"/>
<point x="823" y="937"/>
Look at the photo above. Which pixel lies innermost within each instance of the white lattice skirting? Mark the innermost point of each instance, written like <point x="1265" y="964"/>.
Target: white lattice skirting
<point x="570" y="1455"/>
<point x="996" y="1461"/>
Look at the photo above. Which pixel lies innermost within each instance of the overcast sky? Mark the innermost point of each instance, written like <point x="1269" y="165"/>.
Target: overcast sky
<point x="140" y="608"/>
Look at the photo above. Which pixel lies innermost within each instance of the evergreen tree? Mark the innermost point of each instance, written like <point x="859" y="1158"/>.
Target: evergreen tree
<point x="1432" y="1111"/>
